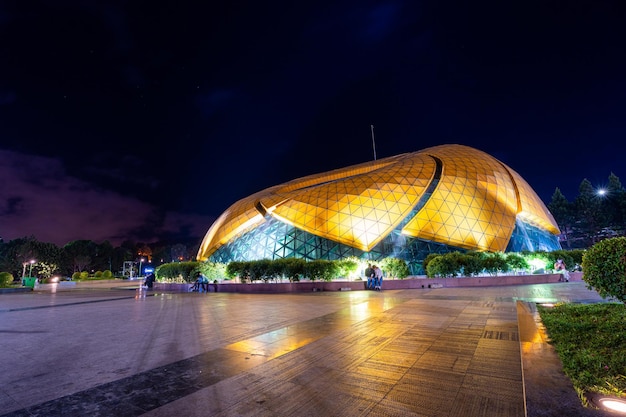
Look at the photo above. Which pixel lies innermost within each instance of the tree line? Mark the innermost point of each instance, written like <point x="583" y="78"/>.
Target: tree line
<point x="594" y="214"/>
<point x="29" y="257"/>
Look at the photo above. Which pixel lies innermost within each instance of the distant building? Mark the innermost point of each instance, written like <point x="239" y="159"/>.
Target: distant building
<point x="440" y="199"/>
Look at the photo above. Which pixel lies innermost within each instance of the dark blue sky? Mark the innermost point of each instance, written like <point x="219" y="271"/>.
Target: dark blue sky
<point x="168" y="112"/>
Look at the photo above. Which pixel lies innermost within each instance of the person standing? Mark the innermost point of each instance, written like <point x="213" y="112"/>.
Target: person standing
<point x="369" y="273"/>
<point x="204" y="282"/>
<point x="149" y="281"/>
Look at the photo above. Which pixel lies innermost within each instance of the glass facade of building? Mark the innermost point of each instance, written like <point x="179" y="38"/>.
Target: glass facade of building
<point x="440" y="199"/>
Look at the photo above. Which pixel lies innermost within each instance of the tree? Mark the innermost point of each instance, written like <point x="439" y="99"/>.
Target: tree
<point x="563" y="212"/>
<point x="77" y="255"/>
<point x="103" y="257"/>
<point x="119" y="255"/>
<point x="613" y="205"/>
<point x="16" y="255"/>
<point x="45" y="270"/>
<point x="605" y="269"/>
<point x="588" y="214"/>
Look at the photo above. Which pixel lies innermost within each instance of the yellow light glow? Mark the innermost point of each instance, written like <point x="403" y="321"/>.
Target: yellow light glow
<point x="536" y="264"/>
<point x="475" y="204"/>
<point x="613" y="404"/>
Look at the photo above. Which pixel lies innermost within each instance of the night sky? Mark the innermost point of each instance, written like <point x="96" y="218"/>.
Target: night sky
<point x="145" y="120"/>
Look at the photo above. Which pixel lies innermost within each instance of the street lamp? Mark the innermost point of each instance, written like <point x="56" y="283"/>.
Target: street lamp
<point x="30" y="271"/>
<point x="140" y="262"/>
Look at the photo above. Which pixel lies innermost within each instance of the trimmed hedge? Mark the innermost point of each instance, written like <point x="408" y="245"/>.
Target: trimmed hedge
<point x="604" y="268"/>
<point x="6" y="279"/>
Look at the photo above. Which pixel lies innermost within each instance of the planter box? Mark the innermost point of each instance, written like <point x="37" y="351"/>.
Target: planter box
<point x="388" y="284"/>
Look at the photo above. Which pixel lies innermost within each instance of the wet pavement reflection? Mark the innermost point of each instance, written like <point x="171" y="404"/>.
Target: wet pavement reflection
<point x="434" y="352"/>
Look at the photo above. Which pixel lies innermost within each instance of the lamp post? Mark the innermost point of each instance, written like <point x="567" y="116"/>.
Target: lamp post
<point x="140" y="262"/>
<point x="30" y="270"/>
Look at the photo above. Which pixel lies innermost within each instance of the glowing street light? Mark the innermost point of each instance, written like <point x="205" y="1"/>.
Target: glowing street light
<point x="30" y="271"/>
<point x="140" y="262"/>
<point x="601" y="192"/>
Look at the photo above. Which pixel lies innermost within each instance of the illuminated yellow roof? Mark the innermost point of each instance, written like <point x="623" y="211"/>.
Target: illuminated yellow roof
<point x="473" y="203"/>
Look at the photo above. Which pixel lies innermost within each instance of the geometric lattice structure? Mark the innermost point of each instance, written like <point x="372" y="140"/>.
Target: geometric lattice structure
<point x="448" y="197"/>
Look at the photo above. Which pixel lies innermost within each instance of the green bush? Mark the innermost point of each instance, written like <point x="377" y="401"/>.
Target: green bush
<point x="212" y="270"/>
<point x="604" y="268"/>
<point x="577" y="257"/>
<point x="429" y="258"/>
<point x="260" y="270"/>
<point x="239" y="269"/>
<point x="495" y="263"/>
<point x="472" y="263"/>
<point x="347" y="267"/>
<point x="320" y="269"/>
<point x="75" y="276"/>
<point x="451" y="264"/>
<point x="442" y="266"/>
<point x="107" y="274"/>
<point x="292" y="268"/>
<point x="516" y="261"/>
<point x="98" y="274"/>
<point x="6" y="279"/>
<point x="395" y="267"/>
<point x="84" y="275"/>
<point x="182" y="272"/>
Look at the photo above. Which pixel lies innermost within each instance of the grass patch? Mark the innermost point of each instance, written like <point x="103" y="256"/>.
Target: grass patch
<point x="590" y="340"/>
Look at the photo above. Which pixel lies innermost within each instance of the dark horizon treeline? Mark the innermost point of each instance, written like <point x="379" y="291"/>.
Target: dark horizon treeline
<point x="594" y="214"/>
<point x="86" y="255"/>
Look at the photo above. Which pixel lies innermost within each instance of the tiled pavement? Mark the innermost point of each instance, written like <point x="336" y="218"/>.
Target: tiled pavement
<point x="430" y="352"/>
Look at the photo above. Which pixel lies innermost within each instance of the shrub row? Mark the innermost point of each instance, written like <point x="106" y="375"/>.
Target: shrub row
<point x="267" y="270"/>
<point x="469" y="264"/>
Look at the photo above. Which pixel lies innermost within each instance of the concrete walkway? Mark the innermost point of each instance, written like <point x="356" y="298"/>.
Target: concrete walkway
<point x="421" y="352"/>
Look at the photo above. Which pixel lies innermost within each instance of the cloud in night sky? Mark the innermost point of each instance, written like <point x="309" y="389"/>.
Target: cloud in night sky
<point x="67" y="208"/>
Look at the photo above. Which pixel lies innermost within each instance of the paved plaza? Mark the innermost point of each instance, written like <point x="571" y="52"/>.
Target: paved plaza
<point x="122" y="351"/>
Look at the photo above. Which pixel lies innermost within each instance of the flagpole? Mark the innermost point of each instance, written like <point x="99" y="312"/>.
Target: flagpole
<point x="373" y="142"/>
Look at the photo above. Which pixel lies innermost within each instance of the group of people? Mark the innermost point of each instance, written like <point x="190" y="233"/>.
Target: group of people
<point x="202" y="284"/>
<point x="374" y="277"/>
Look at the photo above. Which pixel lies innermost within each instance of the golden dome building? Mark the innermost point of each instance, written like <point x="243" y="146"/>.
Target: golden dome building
<point x="440" y="199"/>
